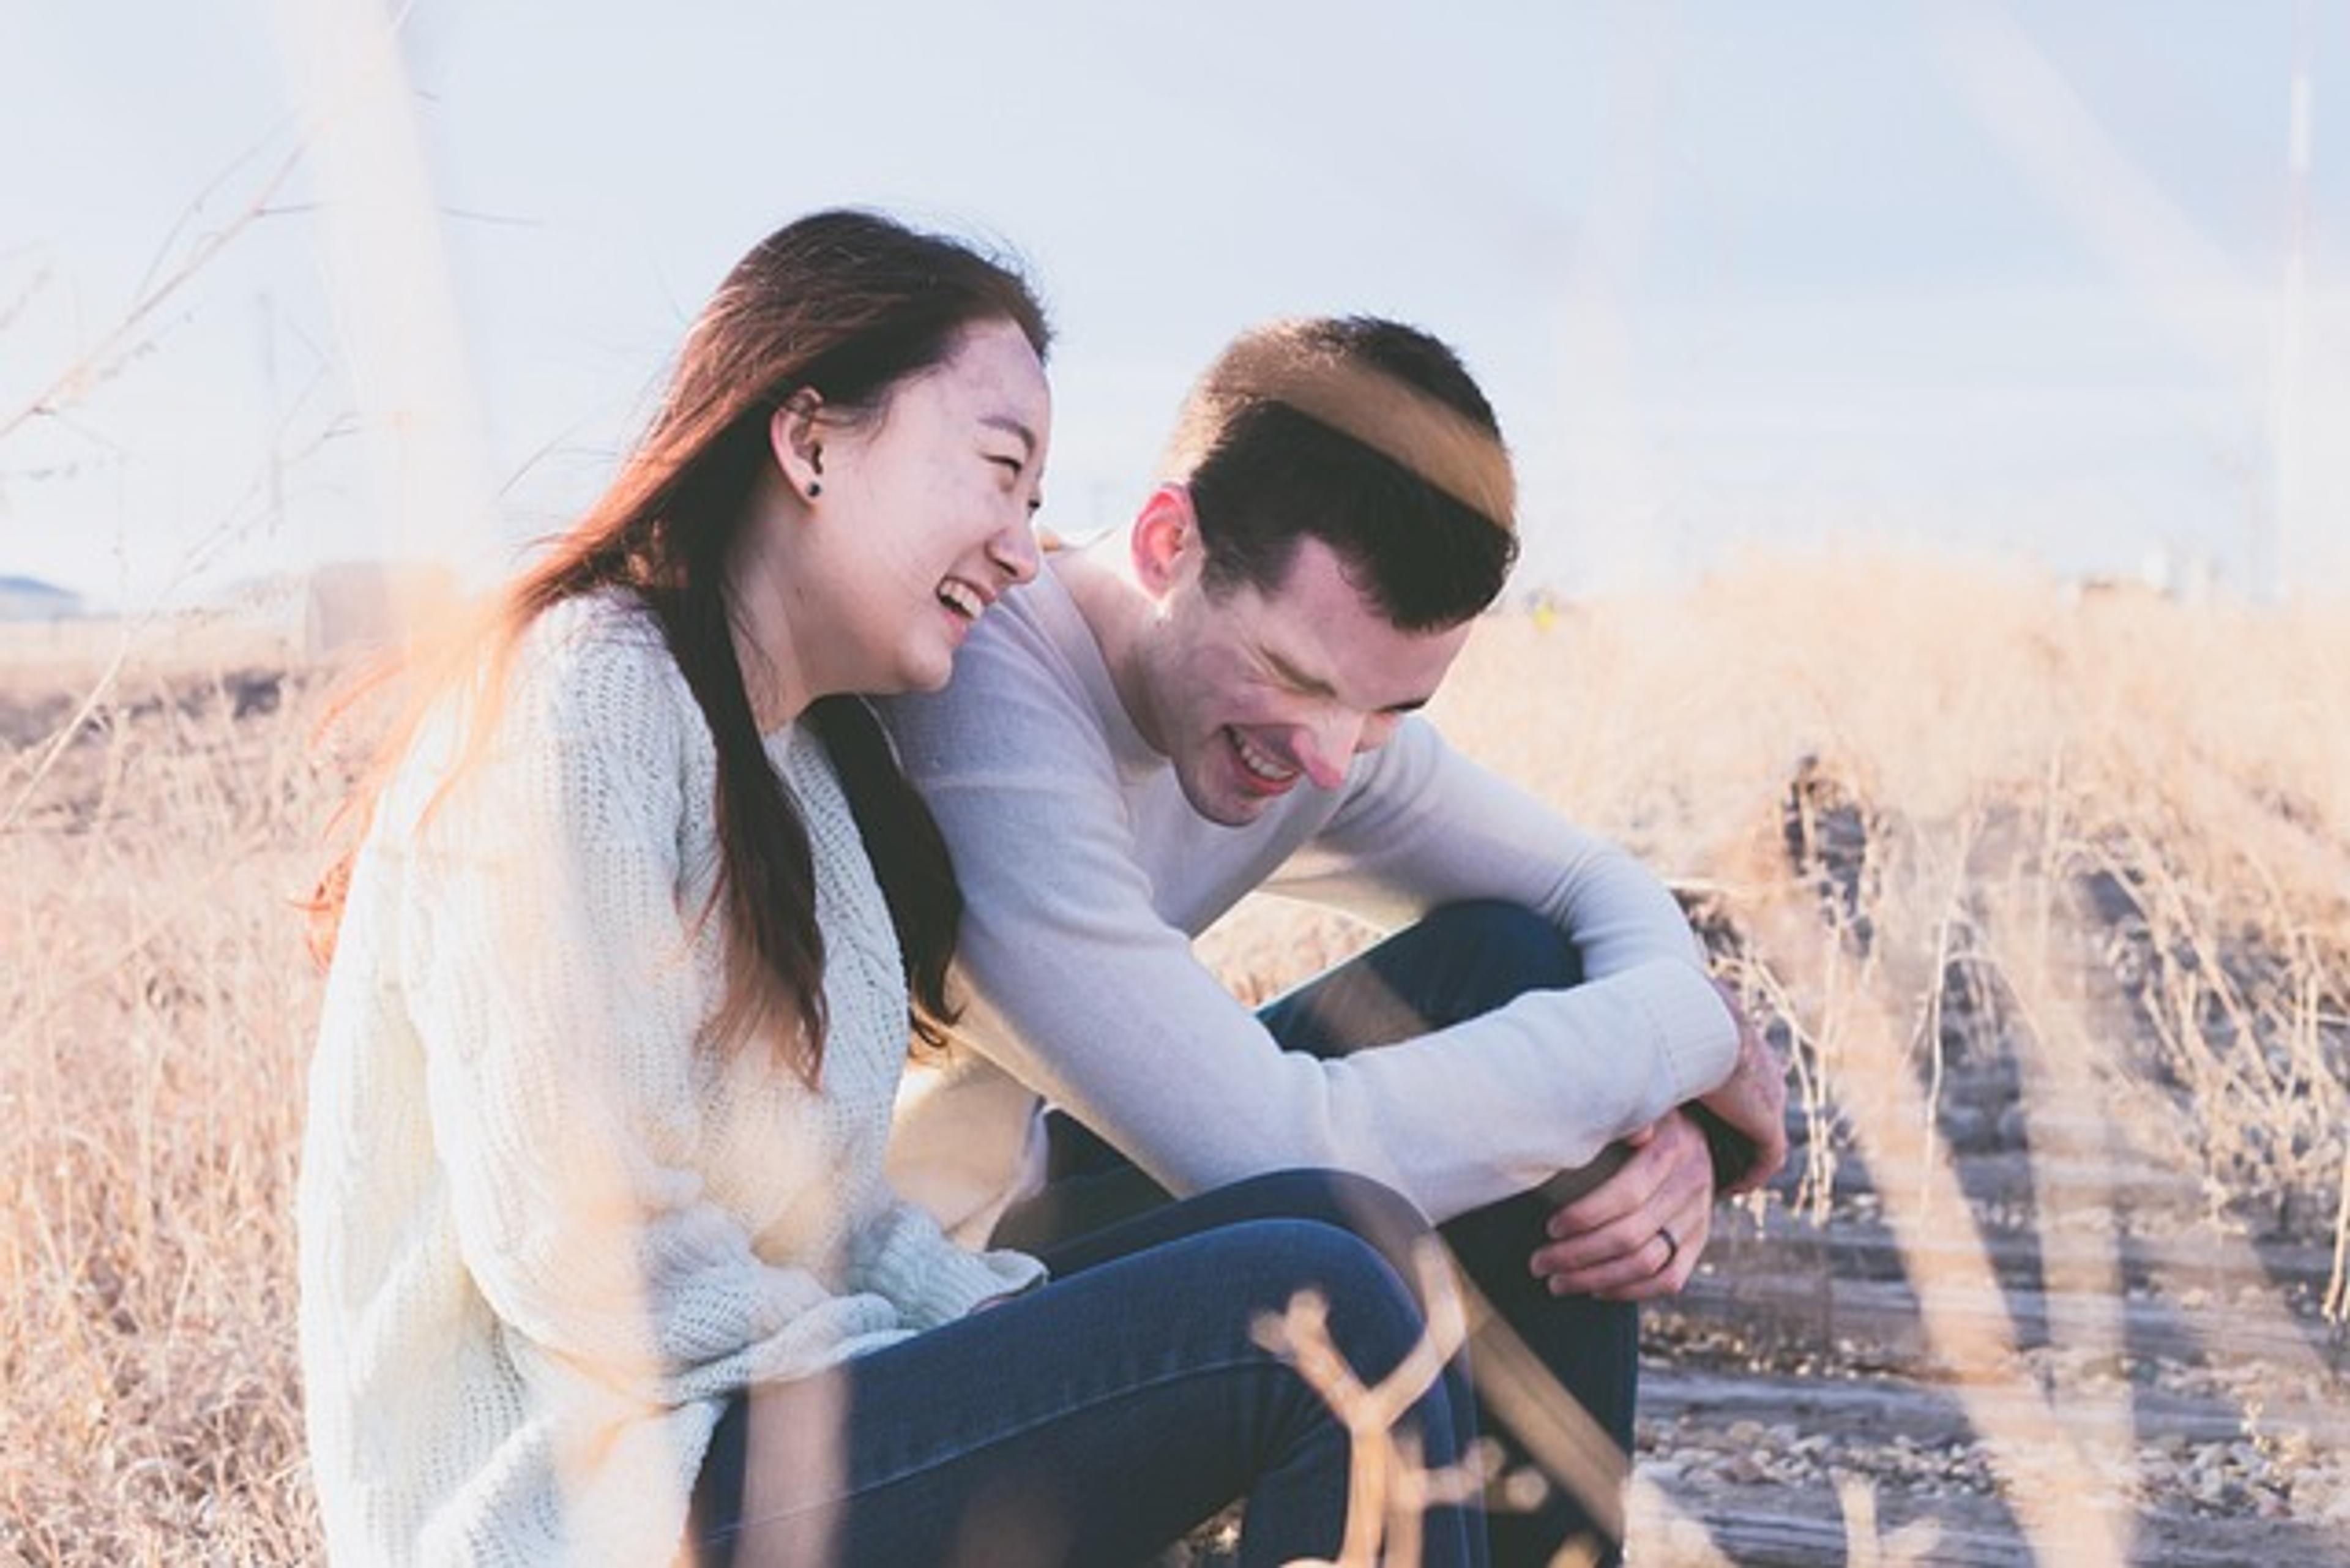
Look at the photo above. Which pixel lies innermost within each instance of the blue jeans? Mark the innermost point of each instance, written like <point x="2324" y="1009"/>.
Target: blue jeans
<point x="1097" y="1419"/>
<point x="1456" y="963"/>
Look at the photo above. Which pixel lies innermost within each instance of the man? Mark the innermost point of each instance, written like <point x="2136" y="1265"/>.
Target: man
<point x="1223" y="699"/>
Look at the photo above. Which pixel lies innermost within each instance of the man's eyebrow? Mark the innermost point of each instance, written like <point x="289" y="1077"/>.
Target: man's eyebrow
<point x="1011" y="426"/>
<point x="1313" y="685"/>
<point x="1293" y="676"/>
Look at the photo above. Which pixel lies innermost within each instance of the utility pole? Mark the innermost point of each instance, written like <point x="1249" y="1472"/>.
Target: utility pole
<point x="2286" y="544"/>
<point x="269" y="303"/>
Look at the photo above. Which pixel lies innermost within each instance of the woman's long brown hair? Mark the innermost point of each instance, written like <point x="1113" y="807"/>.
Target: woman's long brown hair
<point x="848" y="305"/>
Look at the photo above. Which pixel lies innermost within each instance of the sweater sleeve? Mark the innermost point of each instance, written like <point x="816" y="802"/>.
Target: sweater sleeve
<point x="551" y="976"/>
<point x="902" y="1254"/>
<point x="1082" y="990"/>
<point x="1422" y="825"/>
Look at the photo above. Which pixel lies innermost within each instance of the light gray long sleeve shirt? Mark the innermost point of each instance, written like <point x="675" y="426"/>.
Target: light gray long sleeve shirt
<point x="1087" y="874"/>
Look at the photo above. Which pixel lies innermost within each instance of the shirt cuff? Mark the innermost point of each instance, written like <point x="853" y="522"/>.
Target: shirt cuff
<point x="1694" y="1029"/>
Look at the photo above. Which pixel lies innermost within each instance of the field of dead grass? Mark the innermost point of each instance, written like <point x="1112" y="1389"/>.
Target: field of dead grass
<point x="1929" y="814"/>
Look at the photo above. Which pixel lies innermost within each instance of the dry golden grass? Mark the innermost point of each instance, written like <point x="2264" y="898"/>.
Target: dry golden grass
<point x="2118" y="832"/>
<point x="2131" y="811"/>
<point x="1926" y="810"/>
<point x="157" y="1007"/>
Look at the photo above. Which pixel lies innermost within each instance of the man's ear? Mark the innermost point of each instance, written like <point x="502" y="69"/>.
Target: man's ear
<point x="1165" y="540"/>
<point x="795" y="435"/>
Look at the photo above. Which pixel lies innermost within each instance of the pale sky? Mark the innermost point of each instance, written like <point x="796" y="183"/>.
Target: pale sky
<point x="2003" y="278"/>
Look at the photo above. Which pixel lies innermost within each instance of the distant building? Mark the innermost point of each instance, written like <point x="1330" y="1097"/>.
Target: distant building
<point x="29" y="599"/>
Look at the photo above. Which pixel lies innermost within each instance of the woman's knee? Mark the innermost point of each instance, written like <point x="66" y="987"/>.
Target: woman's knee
<point x="1374" y="1317"/>
<point x="1369" y="1208"/>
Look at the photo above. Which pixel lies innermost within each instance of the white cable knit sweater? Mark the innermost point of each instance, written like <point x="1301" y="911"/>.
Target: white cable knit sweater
<point x="543" y="1235"/>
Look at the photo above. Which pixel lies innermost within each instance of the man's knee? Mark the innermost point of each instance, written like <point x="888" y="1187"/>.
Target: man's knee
<point x="1368" y="1209"/>
<point x="1509" y="939"/>
<point x="1464" y="960"/>
<point x="1454" y="963"/>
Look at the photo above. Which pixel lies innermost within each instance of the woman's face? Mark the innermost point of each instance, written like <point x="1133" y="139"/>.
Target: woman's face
<point x="922" y="518"/>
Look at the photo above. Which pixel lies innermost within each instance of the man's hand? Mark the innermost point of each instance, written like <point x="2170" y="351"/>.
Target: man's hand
<point x="1640" y="1232"/>
<point x="1751" y="1105"/>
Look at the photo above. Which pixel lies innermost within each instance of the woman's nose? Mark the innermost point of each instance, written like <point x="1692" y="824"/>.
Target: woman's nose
<point x="1014" y="550"/>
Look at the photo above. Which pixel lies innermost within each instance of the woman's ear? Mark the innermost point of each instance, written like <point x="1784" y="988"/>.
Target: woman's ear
<point x="795" y="435"/>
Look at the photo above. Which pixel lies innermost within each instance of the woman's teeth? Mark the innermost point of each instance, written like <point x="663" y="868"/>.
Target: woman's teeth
<point x="962" y="599"/>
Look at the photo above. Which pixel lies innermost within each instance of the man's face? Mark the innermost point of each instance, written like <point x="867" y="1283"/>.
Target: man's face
<point x="1251" y="695"/>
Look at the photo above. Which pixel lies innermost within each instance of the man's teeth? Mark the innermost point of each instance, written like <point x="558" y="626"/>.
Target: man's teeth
<point x="1257" y="763"/>
<point x="961" y="598"/>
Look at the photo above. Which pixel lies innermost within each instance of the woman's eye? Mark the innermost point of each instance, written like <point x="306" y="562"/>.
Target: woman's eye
<point x="1011" y="465"/>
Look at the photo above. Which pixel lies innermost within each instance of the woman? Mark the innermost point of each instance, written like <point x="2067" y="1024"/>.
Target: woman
<point x="622" y="970"/>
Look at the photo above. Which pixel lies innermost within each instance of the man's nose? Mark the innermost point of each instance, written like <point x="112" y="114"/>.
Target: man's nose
<point x="1328" y="745"/>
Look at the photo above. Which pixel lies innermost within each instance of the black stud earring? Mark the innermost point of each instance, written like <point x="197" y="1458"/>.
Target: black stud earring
<point x="816" y="488"/>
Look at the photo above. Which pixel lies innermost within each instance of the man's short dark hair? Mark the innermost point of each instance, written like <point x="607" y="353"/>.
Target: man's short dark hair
<point x="1366" y="435"/>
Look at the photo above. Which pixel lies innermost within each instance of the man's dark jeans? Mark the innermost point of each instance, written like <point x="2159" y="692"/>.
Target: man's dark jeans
<point x="1459" y="963"/>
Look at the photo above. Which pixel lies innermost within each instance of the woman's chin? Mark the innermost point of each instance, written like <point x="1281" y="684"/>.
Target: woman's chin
<point x="929" y="672"/>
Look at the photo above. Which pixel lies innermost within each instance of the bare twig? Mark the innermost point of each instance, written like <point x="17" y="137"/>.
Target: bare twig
<point x="2337" y="1288"/>
<point x="1385" y="1477"/>
<point x="192" y="561"/>
<point x="155" y="290"/>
